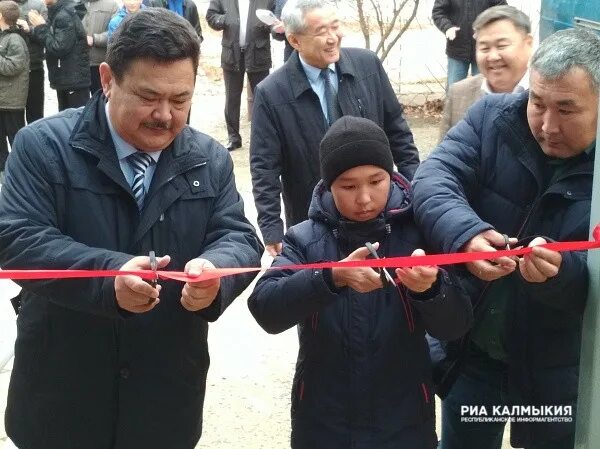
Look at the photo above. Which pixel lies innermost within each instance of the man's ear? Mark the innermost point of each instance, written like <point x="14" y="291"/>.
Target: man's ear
<point x="106" y="78"/>
<point x="294" y="41"/>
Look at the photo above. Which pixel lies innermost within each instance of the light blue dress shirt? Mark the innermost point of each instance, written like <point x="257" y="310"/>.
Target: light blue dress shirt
<point x="318" y="84"/>
<point x="124" y="150"/>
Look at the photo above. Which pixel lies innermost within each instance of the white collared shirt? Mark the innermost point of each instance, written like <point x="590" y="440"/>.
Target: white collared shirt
<point x="244" y="5"/>
<point x="521" y="86"/>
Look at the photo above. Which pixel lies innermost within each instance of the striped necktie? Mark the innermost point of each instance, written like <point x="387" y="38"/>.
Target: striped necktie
<point x="331" y="100"/>
<point x="140" y="162"/>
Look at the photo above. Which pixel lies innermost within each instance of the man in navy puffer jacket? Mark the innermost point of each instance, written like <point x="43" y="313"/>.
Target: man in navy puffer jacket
<point x="363" y="376"/>
<point x="519" y="165"/>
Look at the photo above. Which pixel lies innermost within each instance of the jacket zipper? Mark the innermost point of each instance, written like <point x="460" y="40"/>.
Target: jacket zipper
<point x="425" y="393"/>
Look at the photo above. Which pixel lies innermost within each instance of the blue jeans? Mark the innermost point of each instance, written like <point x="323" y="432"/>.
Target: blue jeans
<point x="458" y="70"/>
<point x="483" y="382"/>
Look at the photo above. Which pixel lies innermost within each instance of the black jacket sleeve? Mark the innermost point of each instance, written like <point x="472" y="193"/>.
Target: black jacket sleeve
<point x="440" y="15"/>
<point x="215" y="15"/>
<point x="191" y="14"/>
<point x="61" y="37"/>
<point x="283" y="298"/>
<point x="266" y="167"/>
<point x="30" y="237"/>
<point x="445" y="182"/>
<point x="230" y="241"/>
<point x="447" y="314"/>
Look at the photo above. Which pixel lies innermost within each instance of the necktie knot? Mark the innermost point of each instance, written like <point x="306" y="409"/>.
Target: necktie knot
<point x="139" y="162"/>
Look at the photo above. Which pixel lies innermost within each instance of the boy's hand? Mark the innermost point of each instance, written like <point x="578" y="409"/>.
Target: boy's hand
<point x="363" y="280"/>
<point x="418" y="279"/>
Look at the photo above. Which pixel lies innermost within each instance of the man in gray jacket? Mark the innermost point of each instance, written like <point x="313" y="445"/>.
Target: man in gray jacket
<point x="95" y="23"/>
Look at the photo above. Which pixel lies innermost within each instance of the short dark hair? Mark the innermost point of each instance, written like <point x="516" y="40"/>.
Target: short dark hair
<point x="9" y="11"/>
<point x="518" y="18"/>
<point x="152" y="33"/>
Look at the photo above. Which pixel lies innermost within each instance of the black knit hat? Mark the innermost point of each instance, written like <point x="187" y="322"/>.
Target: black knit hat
<point x="351" y="142"/>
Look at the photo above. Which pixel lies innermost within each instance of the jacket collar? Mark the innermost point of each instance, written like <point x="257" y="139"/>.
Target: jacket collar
<point x="512" y="121"/>
<point x="299" y="80"/>
<point x="92" y="135"/>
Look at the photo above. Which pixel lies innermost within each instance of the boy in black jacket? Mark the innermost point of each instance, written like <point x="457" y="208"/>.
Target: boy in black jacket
<point x="363" y="375"/>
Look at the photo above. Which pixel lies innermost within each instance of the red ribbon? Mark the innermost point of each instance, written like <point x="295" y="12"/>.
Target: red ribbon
<point x="397" y="262"/>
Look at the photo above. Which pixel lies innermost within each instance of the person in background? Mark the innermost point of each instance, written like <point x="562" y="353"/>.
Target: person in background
<point x="185" y="8"/>
<point x="278" y="32"/>
<point x="14" y="78"/>
<point x="518" y="171"/>
<point x="503" y="47"/>
<point x="296" y="104"/>
<point x="129" y="7"/>
<point x="34" y="109"/>
<point x="67" y="54"/>
<point x="363" y="375"/>
<point x="95" y="22"/>
<point x="246" y="48"/>
<point x="117" y="363"/>
<point x="455" y="19"/>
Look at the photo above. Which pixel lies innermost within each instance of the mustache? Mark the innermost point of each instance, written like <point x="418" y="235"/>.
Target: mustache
<point x="157" y="125"/>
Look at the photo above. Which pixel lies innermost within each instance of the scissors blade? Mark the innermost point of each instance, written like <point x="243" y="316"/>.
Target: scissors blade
<point x="154" y="268"/>
<point x="382" y="270"/>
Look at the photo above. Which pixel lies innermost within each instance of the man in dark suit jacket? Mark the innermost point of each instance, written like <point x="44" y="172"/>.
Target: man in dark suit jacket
<point x="246" y="49"/>
<point x="292" y="112"/>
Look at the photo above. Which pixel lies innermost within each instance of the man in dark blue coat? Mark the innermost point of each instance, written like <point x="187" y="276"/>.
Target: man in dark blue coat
<point x="103" y="363"/>
<point x="518" y="167"/>
<point x="295" y="105"/>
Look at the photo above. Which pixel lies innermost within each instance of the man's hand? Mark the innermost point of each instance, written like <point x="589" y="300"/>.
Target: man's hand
<point x="199" y="295"/>
<point x="451" y="33"/>
<point x="21" y="23"/>
<point x="278" y="27"/>
<point x="35" y="18"/>
<point x="274" y="249"/>
<point x="541" y="264"/>
<point x="486" y="270"/>
<point x="132" y="292"/>
<point x="363" y="280"/>
<point x="418" y="279"/>
<point x="90" y="41"/>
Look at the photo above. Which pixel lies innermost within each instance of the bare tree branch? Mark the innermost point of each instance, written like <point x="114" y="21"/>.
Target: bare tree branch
<point x="402" y="30"/>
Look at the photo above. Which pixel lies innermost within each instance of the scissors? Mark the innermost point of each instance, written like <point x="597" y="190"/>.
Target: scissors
<point x="386" y="278"/>
<point x="153" y="267"/>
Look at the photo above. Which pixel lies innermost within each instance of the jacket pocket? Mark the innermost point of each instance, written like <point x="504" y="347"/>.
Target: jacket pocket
<point x="262" y="54"/>
<point x="227" y="54"/>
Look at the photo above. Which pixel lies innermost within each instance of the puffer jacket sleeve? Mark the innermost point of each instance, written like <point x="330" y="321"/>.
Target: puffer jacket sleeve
<point x="215" y="15"/>
<point x="60" y="38"/>
<point x="445" y="182"/>
<point x="447" y="314"/>
<point x="230" y="240"/>
<point x="572" y="277"/>
<point x="402" y="144"/>
<point x="283" y="298"/>
<point x="15" y="60"/>
<point x="266" y="167"/>
<point x="30" y="237"/>
<point x="193" y="17"/>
